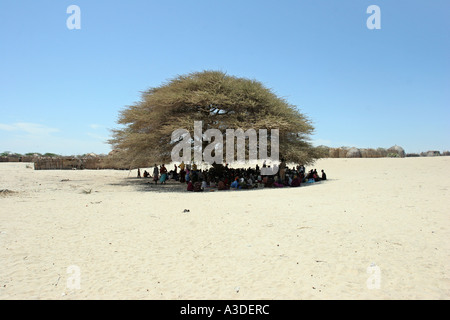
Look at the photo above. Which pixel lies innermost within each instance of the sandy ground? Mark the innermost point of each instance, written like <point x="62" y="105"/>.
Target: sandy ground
<point x="378" y="229"/>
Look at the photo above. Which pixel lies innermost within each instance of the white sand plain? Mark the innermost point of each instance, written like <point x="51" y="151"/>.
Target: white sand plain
<point x="314" y="242"/>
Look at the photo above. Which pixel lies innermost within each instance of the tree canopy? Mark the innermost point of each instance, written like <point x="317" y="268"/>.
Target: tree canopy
<point x="221" y="102"/>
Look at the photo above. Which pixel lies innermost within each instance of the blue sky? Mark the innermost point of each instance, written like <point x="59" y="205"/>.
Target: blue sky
<point x="61" y="90"/>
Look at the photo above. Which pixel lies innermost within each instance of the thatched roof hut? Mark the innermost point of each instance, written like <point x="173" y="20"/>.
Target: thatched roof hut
<point x="397" y="150"/>
<point x="343" y="152"/>
<point x="333" y="153"/>
<point x="433" y="153"/>
<point x="354" y="153"/>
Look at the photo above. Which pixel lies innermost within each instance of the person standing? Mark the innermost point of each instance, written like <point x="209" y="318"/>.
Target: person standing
<point x="155" y="174"/>
<point x="182" y="176"/>
<point x="282" y="170"/>
<point x="163" y="172"/>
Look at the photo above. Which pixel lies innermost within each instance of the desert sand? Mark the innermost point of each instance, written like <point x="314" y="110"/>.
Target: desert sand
<point x="328" y="240"/>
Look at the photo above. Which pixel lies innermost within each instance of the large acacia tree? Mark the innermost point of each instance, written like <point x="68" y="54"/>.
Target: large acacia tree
<point x="221" y="102"/>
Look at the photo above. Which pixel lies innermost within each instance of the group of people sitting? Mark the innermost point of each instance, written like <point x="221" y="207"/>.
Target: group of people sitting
<point x="159" y="174"/>
<point x="224" y="178"/>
